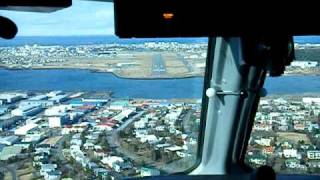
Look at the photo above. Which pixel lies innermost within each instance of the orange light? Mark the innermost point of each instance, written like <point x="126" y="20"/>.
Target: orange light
<point x="168" y="16"/>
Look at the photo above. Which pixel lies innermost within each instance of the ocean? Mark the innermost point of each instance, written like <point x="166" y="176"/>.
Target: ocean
<point x="107" y="39"/>
<point x="85" y="80"/>
<point x="87" y="40"/>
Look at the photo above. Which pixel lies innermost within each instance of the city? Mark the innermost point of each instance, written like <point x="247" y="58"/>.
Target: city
<point x="286" y="135"/>
<point x="143" y="60"/>
<point x="88" y="135"/>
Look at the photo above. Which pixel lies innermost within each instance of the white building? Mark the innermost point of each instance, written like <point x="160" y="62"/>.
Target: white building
<point x="45" y="168"/>
<point x="26" y="110"/>
<point x="150" y="138"/>
<point x="58" y="121"/>
<point x="59" y="98"/>
<point x="304" y="64"/>
<point x="119" y="105"/>
<point x="290" y="153"/>
<point x="149" y="172"/>
<point x="12" y="97"/>
<point x="42" y="103"/>
<point x="38" y="98"/>
<point x="124" y="114"/>
<point x="313" y="154"/>
<point x="23" y="130"/>
<point x="263" y="141"/>
<point x="57" y="110"/>
<point x="113" y="162"/>
<point x="54" y="93"/>
<point x="310" y="100"/>
<point x="53" y="175"/>
<point x="9" y="140"/>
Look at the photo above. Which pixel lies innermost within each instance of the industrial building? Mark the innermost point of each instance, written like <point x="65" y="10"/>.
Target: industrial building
<point x="8" y="121"/>
<point x="9" y="140"/>
<point x="59" y="98"/>
<point x="58" y="121"/>
<point x="119" y="105"/>
<point x="54" y="93"/>
<point x="23" y="130"/>
<point x="11" y="97"/>
<point x="57" y="110"/>
<point x="38" y="97"/>
<point x="27" y="110"/>
<point x="42" y="103"/>
<point x="3" y="110"/>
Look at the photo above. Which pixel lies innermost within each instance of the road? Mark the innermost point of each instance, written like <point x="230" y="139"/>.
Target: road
<point x="158" y="66"/>
<point x="129" y="121"/>
<point x="57" y="153"/>
<point x="113" y="136"/>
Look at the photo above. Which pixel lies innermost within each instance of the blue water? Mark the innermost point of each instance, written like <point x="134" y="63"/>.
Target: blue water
<point x="293" y="84"/>
<point x="86" y="40"/>
<point x="307" y="39"/>
<point x="80" y="40"/>
<point x="84" y="80"/>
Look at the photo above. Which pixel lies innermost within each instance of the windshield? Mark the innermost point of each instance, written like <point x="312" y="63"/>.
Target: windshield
<point x="77" y="102"/>
<point x="285" y="133"/>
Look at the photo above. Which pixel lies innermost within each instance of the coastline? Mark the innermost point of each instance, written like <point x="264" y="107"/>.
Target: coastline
<point x="101" y="71"/>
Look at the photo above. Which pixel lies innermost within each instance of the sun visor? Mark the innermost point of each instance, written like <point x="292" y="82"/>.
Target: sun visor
<point x="184" y="18"/>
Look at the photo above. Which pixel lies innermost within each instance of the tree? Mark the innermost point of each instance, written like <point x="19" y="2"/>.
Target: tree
<point x="64" y="145"/>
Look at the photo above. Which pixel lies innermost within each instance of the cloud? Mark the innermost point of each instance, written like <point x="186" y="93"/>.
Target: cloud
<point x="83" y="18"/>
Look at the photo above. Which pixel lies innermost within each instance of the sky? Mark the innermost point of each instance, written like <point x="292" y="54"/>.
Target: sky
<point x="82" y="18"/>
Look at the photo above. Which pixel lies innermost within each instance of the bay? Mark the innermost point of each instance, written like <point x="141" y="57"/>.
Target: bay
<point x="85" y="80"/>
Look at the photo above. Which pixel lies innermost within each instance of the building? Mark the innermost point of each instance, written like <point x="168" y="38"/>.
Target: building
<point x="46" y="168"/>
<point x="310" y="100"/>
<point x="57" y="110"/>
<point x="59" y="98"/>
<point x="58" y="121"/>
<point x="11" y="97"/>
<point x="263" y="141"/>
<point x="23" y="130"/>
<point x="33" y="138"/>
<point x="314" y="155"/>
<point x="3" y="110"/>
<point x="79" y="102"/>
<point x="42" y="103"/>
<point x="113" y="162"/>
<point x="292" y="163"/>
<point x="9" y="140"/>
<point x="9" y="152"/>
<point x="38" y="98"/>
<point x="123" y="115"/>
<point x="53" y="175"/>
<point x="290" y="153"/>
<point x="149" y="172"/>
<point x="33" y="120"/>
<point x="27" y="110"/>
<point x="54" y="93"/>
<point x="119" y="105"/>
<point x="8" y="121"/>
<point x="304" y="64"/>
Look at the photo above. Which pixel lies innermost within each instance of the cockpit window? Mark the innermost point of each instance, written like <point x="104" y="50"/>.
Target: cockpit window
<point x="77" y="102"/>
<point x="286" y="130"/>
